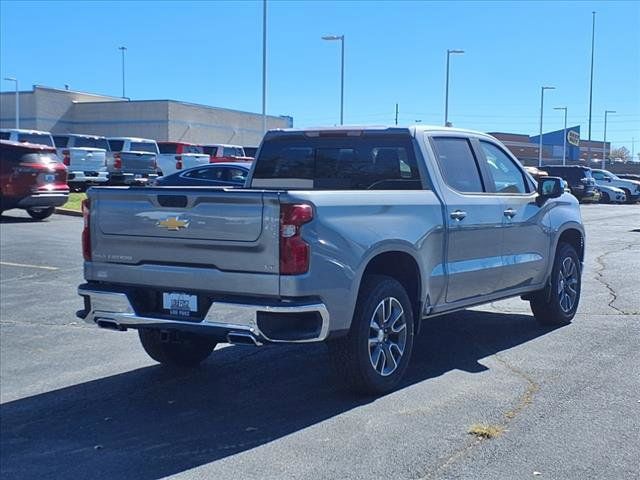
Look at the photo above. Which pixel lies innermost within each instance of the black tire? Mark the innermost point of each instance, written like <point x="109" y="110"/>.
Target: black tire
<point x="627" y="192"/>
<point x="550" y="305"/>
<point x="605" y="198"/>
<point x="40" y="213"/>
<point x="352" y="356"/>
<point x="184" y="352"/>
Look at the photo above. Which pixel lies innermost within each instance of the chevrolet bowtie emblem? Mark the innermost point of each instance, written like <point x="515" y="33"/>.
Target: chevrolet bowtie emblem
<point x="173" y="223"/>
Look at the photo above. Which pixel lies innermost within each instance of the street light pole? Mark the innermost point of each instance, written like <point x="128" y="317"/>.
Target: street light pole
<point x="593" y="36"/>
<point x="542" y="89"/>
<point x="604" y="142"/>
<point x="446" y="88"/>
<point x="341" y="38"/>
<point x="123" y="49"/>
<point x="12" y="79"/>
<point x="564" y="142"/>
<point x="264" y="67"/>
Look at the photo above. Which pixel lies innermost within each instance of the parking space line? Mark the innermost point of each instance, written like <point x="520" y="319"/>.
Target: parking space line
<point x="25" y="265"/>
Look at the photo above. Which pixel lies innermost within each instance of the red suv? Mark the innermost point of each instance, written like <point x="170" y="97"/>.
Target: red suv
<point x="31" y="177"/>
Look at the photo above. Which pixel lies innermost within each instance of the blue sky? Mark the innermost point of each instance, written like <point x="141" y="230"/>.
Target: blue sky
<point x="211" y="53"/>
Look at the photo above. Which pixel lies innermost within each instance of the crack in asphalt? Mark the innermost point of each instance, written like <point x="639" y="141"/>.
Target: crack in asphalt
<point x="523" y="401"/>
<point x="600" y="278"/>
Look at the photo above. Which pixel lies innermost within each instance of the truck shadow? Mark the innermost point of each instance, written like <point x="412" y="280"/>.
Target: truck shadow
<point x="150" y="423"/>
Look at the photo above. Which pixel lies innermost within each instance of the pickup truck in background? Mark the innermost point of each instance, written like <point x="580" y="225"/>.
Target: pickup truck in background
<point x="226" y="153"/>
<point x="175" y="156"/>
<point x="34" y="137"/>
<point x="132" y="160"/>
<point x="350" y="236"/>
<point x="85" y="157"/>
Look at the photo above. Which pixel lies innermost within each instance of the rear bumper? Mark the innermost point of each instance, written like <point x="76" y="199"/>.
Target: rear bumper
<point x="113" y="309"/>
<point x="132" y="178"/>
<point x="86" y="177"/>
<point x="56" y="199"/>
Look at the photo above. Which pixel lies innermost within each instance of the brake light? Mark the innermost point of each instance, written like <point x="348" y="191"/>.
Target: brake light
<point x="294" y="251"/>
<point x="66" y="157"/>
<point x="117" y="161"/>
<point x="86" y="232"/>
<point x="178" y="162"/>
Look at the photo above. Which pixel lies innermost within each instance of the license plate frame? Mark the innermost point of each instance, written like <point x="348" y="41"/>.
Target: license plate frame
<point x="180" y="304"/>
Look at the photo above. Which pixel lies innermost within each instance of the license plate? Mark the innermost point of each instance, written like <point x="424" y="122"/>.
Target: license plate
<point x="180" y="304"/>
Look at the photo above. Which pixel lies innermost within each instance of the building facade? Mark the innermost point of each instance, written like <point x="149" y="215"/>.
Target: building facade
<point x="63" y="111"/>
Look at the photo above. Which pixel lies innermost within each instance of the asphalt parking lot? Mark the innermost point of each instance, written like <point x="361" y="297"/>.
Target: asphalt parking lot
<point x="79" y="402"/>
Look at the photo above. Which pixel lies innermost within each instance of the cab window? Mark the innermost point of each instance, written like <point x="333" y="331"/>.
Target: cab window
<point x="507" y="177"/>
<point x="458" y="164"/>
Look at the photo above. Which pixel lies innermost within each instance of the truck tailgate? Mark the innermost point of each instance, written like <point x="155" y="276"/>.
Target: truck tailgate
<point x="138" y="162"/>
<point x="234" y="231"/>
<point x="87" y="159"/>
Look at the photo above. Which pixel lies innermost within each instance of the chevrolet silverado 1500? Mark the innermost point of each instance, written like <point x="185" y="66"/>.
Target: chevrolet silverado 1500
<point x="350" y="236"/>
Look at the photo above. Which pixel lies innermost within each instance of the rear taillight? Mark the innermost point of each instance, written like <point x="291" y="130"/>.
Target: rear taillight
<point x="117" y="161"/>
<point x="66" y="157"/>
<point x="178" y="162"/>
<point x="86" y="231"/>
<point x="294" y="251"/>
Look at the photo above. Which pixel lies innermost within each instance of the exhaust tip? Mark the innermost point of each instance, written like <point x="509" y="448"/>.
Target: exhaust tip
<point x="110" y="325"/>
<point x="241" y="338"/>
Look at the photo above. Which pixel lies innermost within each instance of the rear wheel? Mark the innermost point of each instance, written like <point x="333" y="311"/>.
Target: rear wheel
<point x="40" y="213"/>
<point x="374" y="356"/>
<point x="168" y="348"/>
<point x="557" y="304"/>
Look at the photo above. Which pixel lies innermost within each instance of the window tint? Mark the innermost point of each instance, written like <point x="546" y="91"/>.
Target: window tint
<point x="507" y="177"/>
<point x="168" y="147"/>
<point x="91" y="142"/>
<point x="458" y="164"/>
<point x="232" y="152"/>
<point x="5" y="135"/>
<point x="210" y="150"/>
<point x="207" y="173"/>
<point x="143" y="147"/>
<point x="60" y="141"/>
<point x="39" y="138"/>
<point x="357" y="163"/>
<point x="236" y="175"/>
<point x="116" y="145"/>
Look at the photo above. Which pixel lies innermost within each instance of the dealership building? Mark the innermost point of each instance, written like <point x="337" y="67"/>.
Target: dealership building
<point x="526" y="148"/>
<point x="65" y="111"/>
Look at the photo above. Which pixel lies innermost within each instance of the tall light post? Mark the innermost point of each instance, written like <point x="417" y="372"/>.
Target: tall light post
<point x="264" y="67"/>
<point x="446" y="88"/>
<point x="123" y="49"/>
<point x="593" y="37"/>
<point x="564" y="141"/>
<point x="604" y="142"/>
<point x="542" y="89"/>
<point x="12" y="79"/>
<point x="341" y="38"/>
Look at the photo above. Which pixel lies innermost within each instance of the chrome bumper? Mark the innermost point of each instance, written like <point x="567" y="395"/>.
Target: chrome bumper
<point x="232" y="318"/>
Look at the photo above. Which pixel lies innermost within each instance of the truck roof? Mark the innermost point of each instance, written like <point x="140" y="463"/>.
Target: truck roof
<point x="24" y="130"/>
<point x="132" y="139"/>
<point x="412" y="129"/>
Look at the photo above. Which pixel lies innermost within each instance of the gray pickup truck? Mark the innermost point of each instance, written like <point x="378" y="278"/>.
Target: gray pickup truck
<point x="350" y="236"/>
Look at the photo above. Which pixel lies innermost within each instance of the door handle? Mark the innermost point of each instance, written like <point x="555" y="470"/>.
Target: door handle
<point x="458" y="215"/>
<point x="510" y="212"/>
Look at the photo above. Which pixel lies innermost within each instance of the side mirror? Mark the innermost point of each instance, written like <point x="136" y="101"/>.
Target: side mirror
<point x="549" y="187"/>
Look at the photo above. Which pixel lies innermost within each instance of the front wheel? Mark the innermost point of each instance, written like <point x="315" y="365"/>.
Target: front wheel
<point x="40" y="213"/>
<point x="605" y="198"/>
<point x="557" y="304"/>
<point x="374" y="356"/>
<point x="176" y="351"/>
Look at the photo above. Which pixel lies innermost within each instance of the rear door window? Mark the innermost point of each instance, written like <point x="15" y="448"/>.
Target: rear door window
<point x="207" y="173"/>
<point x="381" y="162"/>
<point x="506" y="175"/>
<point x="458" y="164"/>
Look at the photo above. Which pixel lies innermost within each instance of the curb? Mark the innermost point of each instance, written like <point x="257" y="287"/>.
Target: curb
<point x="66" y="211"/>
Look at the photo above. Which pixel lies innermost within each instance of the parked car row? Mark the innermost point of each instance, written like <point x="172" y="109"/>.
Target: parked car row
<point x="593" y="184"/>
<point x="97" y="160"/>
